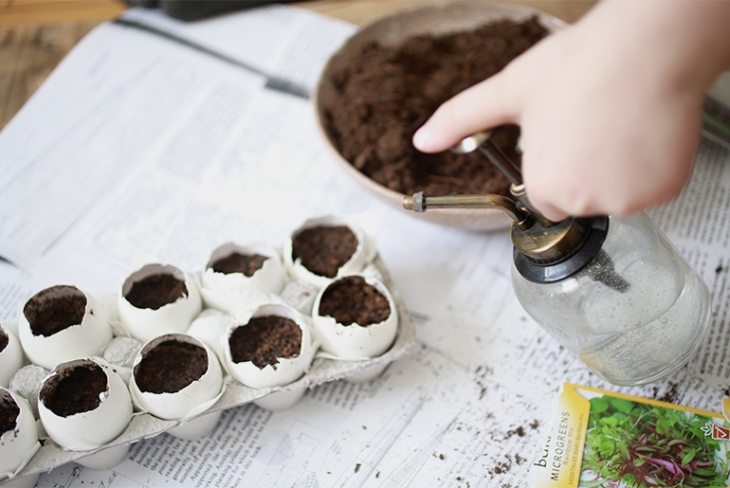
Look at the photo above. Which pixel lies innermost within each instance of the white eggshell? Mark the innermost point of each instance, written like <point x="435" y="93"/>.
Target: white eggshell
<point x="287" y="369"/>
<point x="355" y="341"/>
<point x="78" y="341"/>
<point x="26" y="382"/>
<point x="94" y="428"/>
<point x="300" y="295"/>
<point x="192" y="400"/>
<point x="210" y="327"/>
<point x="228" y="291"/>
<point x="146" y="323"/>
<point x="120" y="353"/>
<point x="18" y="445"/>
<point x="363" y="255"/>
<point x="11" y="357"/>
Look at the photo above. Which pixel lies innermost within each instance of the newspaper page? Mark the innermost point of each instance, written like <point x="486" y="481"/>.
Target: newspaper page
<point x="226" y="159"/>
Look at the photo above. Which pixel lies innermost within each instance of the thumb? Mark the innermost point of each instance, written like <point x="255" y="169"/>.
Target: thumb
<point x="482" y="106"/>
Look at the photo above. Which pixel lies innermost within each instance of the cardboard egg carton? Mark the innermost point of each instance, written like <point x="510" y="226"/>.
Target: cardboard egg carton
<point x="322" y="370"/>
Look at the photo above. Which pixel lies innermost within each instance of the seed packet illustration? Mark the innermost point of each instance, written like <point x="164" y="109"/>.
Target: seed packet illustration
<point x="611" y="440"/>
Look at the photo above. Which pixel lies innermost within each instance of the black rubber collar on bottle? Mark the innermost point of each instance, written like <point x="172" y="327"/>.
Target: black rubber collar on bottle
<point x="553" y="272"/>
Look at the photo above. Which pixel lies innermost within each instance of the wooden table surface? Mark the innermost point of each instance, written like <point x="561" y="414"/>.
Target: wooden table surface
<point x="36" y="34"/>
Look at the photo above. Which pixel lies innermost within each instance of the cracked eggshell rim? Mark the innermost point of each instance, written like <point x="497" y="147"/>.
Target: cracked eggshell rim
<point x="363" y="255"/>
<point x="17" y="446"/>
<point x="92" y="429"/>
<point x="78" y="341"/>
<point x="354" y="341"/>
<point x="286" y="370"/>
<point x="269" y="278"/>
<point x="195" y="398"/>
<point x="11" y="358"/>
<point x="145" y="324"/>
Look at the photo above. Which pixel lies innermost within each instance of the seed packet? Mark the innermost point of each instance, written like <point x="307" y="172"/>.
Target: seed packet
<point x="610" y="440"/>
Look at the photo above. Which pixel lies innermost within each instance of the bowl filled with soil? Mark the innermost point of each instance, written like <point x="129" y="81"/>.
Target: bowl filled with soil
<point x="393" y="73"/>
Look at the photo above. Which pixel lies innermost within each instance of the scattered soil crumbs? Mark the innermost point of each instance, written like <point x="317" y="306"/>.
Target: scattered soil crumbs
<point x="4" y="339"/>
<point x="170" y="366"/>
<point x="74" y="390"/>
<point x="386" y="93"/>
<point x="520" y="431"/>
<point x="357" y="467"/>
<point x="265" y="339"/>
<point x="351" y="300"/>
<point x="247" y="264"/>
<point x="323" y="250"/>
<point x="9" y="412"/>
<point x="671" y="395"/>
<point x="534" y="424"/>
<point x="55" y="309"/>
<point x="155" y="291"/>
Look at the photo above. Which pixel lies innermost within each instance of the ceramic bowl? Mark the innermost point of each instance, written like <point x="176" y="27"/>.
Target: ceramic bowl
<point x="393" y="30"/>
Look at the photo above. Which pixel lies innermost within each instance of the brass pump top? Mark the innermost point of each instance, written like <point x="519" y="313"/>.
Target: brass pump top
<point x="541" y="241"/>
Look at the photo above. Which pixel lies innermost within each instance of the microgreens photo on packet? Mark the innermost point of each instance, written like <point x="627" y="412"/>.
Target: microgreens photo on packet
<point x="601" y="438"/>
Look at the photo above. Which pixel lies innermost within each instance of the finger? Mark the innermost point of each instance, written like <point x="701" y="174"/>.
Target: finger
<point x="480" y="107"/>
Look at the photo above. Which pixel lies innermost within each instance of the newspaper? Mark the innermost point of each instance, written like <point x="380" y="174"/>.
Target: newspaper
<point x="139" y="148"/>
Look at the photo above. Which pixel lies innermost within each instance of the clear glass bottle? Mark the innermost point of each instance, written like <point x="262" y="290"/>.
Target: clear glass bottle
<point x="612" y="290"/>
<point x="635" y="313"/>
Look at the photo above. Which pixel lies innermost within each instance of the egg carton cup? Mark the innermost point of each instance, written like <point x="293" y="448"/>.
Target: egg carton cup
<point x="144" y="425"/>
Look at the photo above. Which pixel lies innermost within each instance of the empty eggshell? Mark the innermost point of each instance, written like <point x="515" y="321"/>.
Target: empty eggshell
<point x="361" y="257"/>
<point x="11" y="356"/>
<point x="146" y="317"/>
<point x="234" y="291"/>
<point x="210" y="327"/>
<point x="96" y="418"/>
<point x="19" y="439"/>
<point x="354" y="341"/>
<point x="62" y="323"/>
<point x="285" y="370"/>
<point x="196" y="396"/>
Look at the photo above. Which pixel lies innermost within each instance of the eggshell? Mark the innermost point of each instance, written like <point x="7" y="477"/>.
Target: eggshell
<point x="287" y="369"/>
<point x="26" y="382"/>
<point x="355" y="341"/>
<point x="146" y="323"/>
<point x="300" y="295"/>
<point x="363" y="255"/>
<point x="85" y="339"/>
<point x="18" y="445"/>
<point x="120" y="353"/>
<point x="11" y="357"/>
<point x="233" y="292"/>
<point x="210" y="327"/>
<point x="191" y="400"/>
<point x="91" y="429"/>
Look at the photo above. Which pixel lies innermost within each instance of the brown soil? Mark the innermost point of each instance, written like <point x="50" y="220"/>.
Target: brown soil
<point x="351" y="300"/>
<point x="323" y="250"/>
<point x="74" y="390"/>
<point x="265" y="339"/>
<point x="54" y="309"/>
<point x="156" y="291"/>
<point x="247" y="264"/>
<point x="386" y="93"/>
<point x="9" y="412"/>
<point x="4" y="339"/>
<point x="170" y="366"/>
